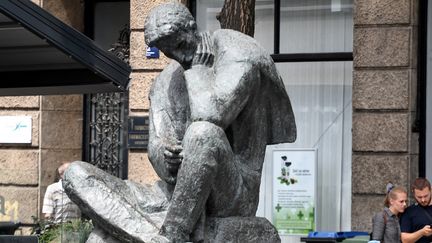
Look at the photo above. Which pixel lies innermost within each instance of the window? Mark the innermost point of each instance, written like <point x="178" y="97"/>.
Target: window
<point x="105" y="19"/>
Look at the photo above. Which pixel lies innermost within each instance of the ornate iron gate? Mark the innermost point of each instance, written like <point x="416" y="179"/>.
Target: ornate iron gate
<point x="107" y="121"/>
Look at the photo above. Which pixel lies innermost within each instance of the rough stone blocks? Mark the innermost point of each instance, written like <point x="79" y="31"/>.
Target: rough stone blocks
<point x="382" y="47"/>
<point x="61" y="129"/>
<point x="371" y="173"/>
<point x="140" y="169"/>
<point x="19" y="167"/>
<point x="380" y="132"/>
<point x="21" y="204"/>
<point x="381" y="89"/>
<point x="382" y="11"/>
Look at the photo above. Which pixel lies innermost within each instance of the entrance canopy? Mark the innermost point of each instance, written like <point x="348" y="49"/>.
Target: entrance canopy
<point x="40" y="55"/>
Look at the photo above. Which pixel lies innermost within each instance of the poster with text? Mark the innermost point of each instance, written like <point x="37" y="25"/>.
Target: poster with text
<point x="294" y="183"/>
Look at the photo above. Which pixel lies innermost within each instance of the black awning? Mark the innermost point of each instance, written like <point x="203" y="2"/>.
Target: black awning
<point x="40" y="55"/>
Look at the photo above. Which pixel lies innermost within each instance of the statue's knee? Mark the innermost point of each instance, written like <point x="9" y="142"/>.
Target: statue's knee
<point x="205" y="132"/>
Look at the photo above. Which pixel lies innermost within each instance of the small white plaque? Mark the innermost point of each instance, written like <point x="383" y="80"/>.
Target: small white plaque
<point x="15" y="129"/>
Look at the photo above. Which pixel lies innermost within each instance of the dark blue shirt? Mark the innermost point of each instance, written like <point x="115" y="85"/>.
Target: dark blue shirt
<point x="415" y="218"/>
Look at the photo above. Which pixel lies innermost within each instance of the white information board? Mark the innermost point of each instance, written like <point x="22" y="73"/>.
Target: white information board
<point x="15" y="129"/>
<point x="294" y="190"/>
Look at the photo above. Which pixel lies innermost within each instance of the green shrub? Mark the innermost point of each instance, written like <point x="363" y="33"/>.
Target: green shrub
<point x="75" y="231"/>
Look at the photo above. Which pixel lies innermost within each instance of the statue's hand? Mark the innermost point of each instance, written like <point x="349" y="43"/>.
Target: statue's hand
<point x="173" y="158"/>
<point x="204" y="53"/>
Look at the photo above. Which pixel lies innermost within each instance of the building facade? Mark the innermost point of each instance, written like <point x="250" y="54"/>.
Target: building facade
<point x="355" y="72"/>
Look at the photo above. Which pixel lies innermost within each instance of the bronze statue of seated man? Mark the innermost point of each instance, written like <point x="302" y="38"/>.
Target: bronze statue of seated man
<point x="213" y="111"/>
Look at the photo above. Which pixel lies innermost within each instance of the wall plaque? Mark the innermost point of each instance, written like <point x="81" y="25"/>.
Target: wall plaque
<point x="15" y="129"/>
<point x="138" y="132"/>
<point x="152" y="52"/>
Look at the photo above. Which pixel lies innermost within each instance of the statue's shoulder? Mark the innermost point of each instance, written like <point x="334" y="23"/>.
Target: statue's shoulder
<point x="232" y="37"/>
<point x="173" y="68"/>
<point x="173" y="72"/>
<point x="237" y="44"/>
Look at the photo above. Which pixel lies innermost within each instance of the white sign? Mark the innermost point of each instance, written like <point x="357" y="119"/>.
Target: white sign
<point x="15" y="129"/>
<point x="294" y="183"/>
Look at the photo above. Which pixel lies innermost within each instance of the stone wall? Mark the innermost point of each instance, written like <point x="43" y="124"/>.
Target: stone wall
<point x="19" y="164"/>
<point x="27" y="169"/>
<point x="143" y="73"/>
<point x="384" y="87"/>
<point x="60" y="136"/>
<point x="61" y="115"/>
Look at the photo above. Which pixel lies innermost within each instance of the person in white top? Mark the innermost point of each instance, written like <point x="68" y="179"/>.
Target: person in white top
<point x="57" y="207"/>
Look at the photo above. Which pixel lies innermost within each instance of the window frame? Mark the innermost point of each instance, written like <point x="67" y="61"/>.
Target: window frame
<point x="292" y="57"/>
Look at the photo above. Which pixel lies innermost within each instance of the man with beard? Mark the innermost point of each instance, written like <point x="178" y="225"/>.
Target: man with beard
<point x="416" y="222"/>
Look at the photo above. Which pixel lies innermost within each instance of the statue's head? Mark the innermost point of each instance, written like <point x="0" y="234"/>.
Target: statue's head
<point x="172" y="28"/>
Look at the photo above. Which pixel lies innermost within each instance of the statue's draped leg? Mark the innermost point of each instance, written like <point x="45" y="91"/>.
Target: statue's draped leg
<point x="208" y="181"/>
<point x="128" y="211"/>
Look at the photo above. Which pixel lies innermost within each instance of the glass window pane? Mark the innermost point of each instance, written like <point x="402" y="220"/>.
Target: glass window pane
<point x="306" y="26"/>
<point x="207" y="10"/>
<point x="316" y="91"/>
<point x="309" y="26"/>
<point x="321" y="98"/>
<point x="107" y="26"/>
<point x="264" y="24"/>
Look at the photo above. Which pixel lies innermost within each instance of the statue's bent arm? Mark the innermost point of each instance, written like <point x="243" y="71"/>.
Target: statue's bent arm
<point x="218" y="95"/>
<point x="156" y="147"/>
<point x="162" y="133"/>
